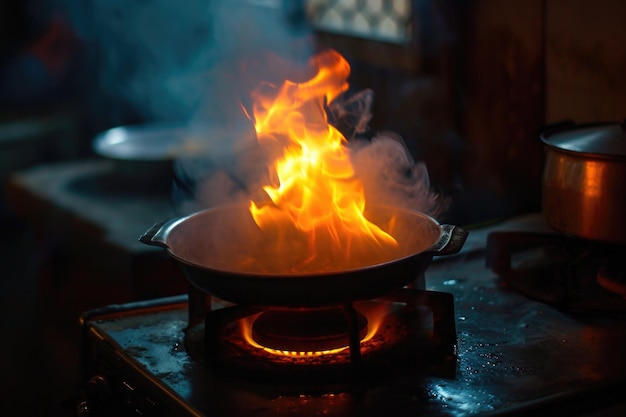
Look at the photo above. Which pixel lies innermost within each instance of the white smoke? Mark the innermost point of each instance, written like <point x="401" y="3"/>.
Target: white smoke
<point x="382" y="164"/>
<point x="196" y="62"/>
<point x="390" y="175"/>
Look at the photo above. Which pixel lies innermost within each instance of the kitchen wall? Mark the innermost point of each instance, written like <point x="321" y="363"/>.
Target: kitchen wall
<point x="528" y="63"/>
<point x="502" y="93"/>
<point x="585" y="60"/>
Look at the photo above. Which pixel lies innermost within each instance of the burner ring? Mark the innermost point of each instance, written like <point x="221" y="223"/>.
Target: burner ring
<point x="612" y="279"/>
<point x="305" y="330"/>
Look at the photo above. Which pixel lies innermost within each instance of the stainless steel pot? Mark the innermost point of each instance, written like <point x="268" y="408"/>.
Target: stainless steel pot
<point x="584" y="180"/>
<point x="147" y="143"/>
<point x="142" y="154"/>
<point x="205" y="243"/>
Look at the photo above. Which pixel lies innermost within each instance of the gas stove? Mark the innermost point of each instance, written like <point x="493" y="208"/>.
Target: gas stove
<point x="478" y="346"/>
<point x="570" y="273"/>
<point x="148" y="355"/>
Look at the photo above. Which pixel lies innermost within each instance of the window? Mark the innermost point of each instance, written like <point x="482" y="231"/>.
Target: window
<point x="383" y="20"/>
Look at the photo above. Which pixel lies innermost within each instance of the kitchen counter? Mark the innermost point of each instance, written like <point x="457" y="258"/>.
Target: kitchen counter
<point x="88" y="216"/>
<point x="515" y="356"/>
<point x="100" y="201"/>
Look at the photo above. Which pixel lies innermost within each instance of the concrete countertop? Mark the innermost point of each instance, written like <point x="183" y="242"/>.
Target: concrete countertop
<point x="93" y="194"/>
<point x="87" y="216"/>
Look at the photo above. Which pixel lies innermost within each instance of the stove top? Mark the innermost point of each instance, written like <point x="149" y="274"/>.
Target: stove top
<point x="514" y="356"/>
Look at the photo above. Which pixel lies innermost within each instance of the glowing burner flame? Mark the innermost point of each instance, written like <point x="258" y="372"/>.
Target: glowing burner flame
<point x="314" y="191"/>
<point x="375" y="318"/>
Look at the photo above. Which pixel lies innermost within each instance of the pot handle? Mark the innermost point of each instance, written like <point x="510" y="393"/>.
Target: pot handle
<point x="450" y="242"/>
<point x="157" y="234"/>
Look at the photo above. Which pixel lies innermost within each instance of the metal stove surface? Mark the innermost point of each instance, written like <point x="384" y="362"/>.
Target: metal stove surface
<point x="515" y="356"/>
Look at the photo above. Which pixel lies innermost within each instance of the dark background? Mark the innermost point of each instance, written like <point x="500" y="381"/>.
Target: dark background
<point x="469" y="94"/>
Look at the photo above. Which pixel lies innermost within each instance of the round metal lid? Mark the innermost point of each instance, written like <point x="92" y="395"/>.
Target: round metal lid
<point x="140" y="142"/>
<point x="608" y="139"/>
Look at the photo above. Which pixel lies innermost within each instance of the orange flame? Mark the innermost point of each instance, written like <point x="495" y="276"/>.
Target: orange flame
<point x="375" y="319"/>
<point x="315" y="191"/>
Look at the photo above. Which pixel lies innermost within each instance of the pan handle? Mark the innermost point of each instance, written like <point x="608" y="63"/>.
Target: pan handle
<point x="450" y="242"/>
<point x="157" y="234"/>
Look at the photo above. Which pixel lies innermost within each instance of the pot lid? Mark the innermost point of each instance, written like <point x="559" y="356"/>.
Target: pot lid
<point x="607" y="139"/>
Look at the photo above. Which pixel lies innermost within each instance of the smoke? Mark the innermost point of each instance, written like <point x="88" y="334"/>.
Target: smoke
<point x="196" y="62"/>
<point x="390" y="176"/>
<point x="383" y="164"/>
<point x="186" y="60"/>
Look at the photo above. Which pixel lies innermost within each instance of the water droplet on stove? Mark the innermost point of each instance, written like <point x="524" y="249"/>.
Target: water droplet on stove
<point x="462" y="318"/>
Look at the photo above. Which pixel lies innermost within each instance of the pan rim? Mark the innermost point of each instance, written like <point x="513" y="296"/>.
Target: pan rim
<point x="306" y="274"/>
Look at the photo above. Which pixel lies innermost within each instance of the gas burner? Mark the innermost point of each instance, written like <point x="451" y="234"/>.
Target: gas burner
<point x="612" y="276"/>
<point x="407" y="329"/>
<point x="302" y="332"/>
<point x="567" y="272"/>
<point x="137" y="359"/>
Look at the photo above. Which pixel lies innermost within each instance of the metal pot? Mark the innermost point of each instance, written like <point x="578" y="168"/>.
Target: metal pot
<point x="142" y="155"/>
<point x="147" y="143"/>
<point x="584" y="180"/>
<point x="201" y="241"/>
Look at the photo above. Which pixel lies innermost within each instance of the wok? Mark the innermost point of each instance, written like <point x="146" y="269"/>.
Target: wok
<point x="209" y="244"/>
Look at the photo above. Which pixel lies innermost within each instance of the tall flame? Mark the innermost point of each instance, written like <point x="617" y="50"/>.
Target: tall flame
<point x="314" y="190"/>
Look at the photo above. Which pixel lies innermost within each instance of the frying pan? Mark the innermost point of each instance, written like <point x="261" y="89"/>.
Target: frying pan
<point x="209" y="245"/>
